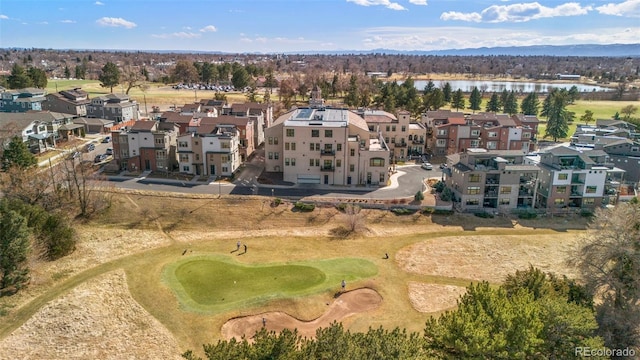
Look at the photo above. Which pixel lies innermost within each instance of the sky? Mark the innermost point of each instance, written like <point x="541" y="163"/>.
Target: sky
<point x="275" y="26"/>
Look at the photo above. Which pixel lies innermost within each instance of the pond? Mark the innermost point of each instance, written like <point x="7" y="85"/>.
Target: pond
<point x="517" y="86"/>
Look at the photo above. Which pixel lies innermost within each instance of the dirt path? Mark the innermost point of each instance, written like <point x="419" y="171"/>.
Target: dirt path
<point x="347" y="304"/>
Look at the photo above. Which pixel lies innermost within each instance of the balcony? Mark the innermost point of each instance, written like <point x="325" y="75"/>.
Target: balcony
<point x="417" y="142"/>
<point x="402" y="144"/>
<point x="327" y="152"/>
<point x="525" y="193"/>
<point x="491" y="194"/>
<point x="327" y="168"/>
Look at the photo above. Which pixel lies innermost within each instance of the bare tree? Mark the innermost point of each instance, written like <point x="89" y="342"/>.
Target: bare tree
<point x="83" y="185"/>
<point x="132" y="77"/>
<point x="353" y="218"/>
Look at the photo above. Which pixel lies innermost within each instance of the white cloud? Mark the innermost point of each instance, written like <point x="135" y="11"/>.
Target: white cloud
<point x="44" y="23"/>
<point x="209" y="28"/>
<point x="99" y="3"/>
<point x="436" y="38"/>
<point x="386" y="3"/>
<point x="68" y="21"/>
<point x="4" y="17"/>
<point x="418" y="2"/>
<point x="177" y="35"/>
<point x="629" y="8"/>
<point x="521" y="12"/>
<point x="115" y="22"/>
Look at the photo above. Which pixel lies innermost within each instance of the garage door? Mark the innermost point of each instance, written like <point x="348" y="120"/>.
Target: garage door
<point x="308" y="179"/>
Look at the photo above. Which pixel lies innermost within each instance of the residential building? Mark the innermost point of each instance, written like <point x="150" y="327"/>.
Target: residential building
<point x="403" y="137"/>
<point x="492" y="179"/>
<point x="326" y="146"/>
<point x="94" y="125"/>
<point x="41" y="130"/>
<point x="23" y="100"/>
<point x="213" y="150"/>
<point x="183" y="121"/>
<point x="245" y="126"/>
<point x="72" y="101"/>
<point x="572" y="178"/>
<point x="624" y="154"/>
<point x="146" y="145"/>
<point x="431" y="119"/>
<point x="116" y="107"/>
<point x="261" y="114"/>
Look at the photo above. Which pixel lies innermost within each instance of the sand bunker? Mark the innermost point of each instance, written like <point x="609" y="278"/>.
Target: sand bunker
<point x="347" y="304"/>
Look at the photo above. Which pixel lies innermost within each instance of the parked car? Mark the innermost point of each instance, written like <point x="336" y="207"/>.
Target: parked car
<point x="427" y="166"/>
<point x="100" y="158"/>
<point x="74" y="155"/>
<point x="109" y="151"/>
<point x="107" y="139"/>
<point x="443" y="166"/>
<point x="90" y="147"/>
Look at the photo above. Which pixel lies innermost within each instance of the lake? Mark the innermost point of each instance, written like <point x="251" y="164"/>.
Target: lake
<point x="517" y="86"/>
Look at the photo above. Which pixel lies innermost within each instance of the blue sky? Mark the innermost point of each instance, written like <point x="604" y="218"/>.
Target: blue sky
<point x="272" y="26"/>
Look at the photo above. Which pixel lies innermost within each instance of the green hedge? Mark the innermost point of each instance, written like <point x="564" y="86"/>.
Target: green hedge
<point x="304" y="207"/>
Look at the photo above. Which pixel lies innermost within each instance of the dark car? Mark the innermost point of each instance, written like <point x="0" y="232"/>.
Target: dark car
<point x="90" y="147"/>
<point x="109" y="151"/>
<point x="107" y="139"/>
<point x="100" y="158"/>
<point x="443" y="166"/>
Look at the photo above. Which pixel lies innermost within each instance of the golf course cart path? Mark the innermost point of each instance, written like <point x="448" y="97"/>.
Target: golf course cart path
<point x="347" y="304"/>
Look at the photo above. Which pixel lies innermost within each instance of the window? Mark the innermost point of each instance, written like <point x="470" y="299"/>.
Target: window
<point x="328" y="164"/>
<point x="474" y="178"/>
<point x="475" y="143"/>
<point x="441" y="143"/>
<point x="338" y="163"/>
<point x="388" y="128"/>
<point x="491" y="144"/>
<point x="475" y="132"/>
<point x="634" y="149"/>
<point x="338" y="147"/>
<point x="185" y="168"/>
<point x="183" y="144"/>
<point x="293" y="161"/>
<point x="442" y="132"/>
<point x="270" y="157"/>
<point x="312" y="146"/>
<point x="225" y="169"/>
<point x="352" y="152"/>
<point x="526" y="135"/>
<point x="315" y="133"/>
<point x="473" y="190"/>
<point x="558" y="201"/>
<point x="158" y="141"/>
<point x="275" y="141"/>
<point x="505" y="189"/>
<point x="393" y="128"/>
<point x="328" y="147"/>
<point x="588" y="201"/>
<point x="317" y="162"/>
<point x="311" y="162"/>
<point x="328" y="133"/>
<point x="291" y="132"/>
<point x="293" y="146"/>
<point x="473" y="202"/>
<point x="561" y="189"/>
<point x="591" y="189"/>
<point x="276" y="155"/>
<point x="286" y="161"/>
<point x="224" y="158"/>
<point x="197" y="157"/>
<point x="184" y="157"/>
<point x="286" y="146"/>
<point x="563" y="176"/>
<point x="492" y="134"/>
<point x="378" y="162"/>
<point x="352" y="167"/>
<point x="504" y="201"/>
<point x="225" y="145"/>
<point x="403" y="129"/>
<point x="270" y="140"/>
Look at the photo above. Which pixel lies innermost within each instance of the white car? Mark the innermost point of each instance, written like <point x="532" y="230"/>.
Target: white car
<point x="427" y="166"/>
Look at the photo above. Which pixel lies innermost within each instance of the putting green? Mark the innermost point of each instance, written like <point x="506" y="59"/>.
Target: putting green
<point x="214" y="283"/>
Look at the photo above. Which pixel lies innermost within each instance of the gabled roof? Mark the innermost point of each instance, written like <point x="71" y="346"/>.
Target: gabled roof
<point x="455" y="121"/>
<point x="174" y="117"/>
<point x="206" y="129"/>
<point x="143" y="126"/>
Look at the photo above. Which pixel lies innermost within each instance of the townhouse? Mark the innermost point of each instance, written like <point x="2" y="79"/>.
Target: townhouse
<point x="116" y="107"/>
<point x="146" y="146"/>
<point x="23" y="100"/>
<point x="574" y="178"/>
<point x="211" y="150"/>
<point x="246" y="127"/>
<point x="72" y="101"/>
<point x="41" y="130"/>
<point x="322" y="145"/>
<point x="493" y="179"/>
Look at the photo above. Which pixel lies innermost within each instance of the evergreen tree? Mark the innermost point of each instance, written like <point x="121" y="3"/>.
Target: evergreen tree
<point x="504" y="97"/>
<point x="14" y="246"/>
<point x="352" y="94"/>
<point x="457" y="101"/>
<point x="447" y="91"/>
<point x="38" y="77"/>
<point x="186" y="72"/>
<point x="511" y="106"/>
<point x="240" y="78"/>
<point x="587" y="117"/>
<point x="17" y="154"/>
<point x="494" y="104"/>
<point x="67" y="72"/>
<point x="475" y="99"/>
<point x="110" y="76"/>
<point x="433" y="100"/>
<point x="558" y="117"/>
<point x="573" y="94"/>
<point x="18" y="79"/>
<point x="530" y="104"/>
<point x="429" y="87"/>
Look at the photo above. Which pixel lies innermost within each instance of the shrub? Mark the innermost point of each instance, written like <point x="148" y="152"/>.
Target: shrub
<point x="443" y="212"/>
<point x="484" y="215"/>
<point x="403" y="211"/>
<point x="428" y="210"/>
<point x="304" y="207"/>
<point x="277" y="201"/>
<point x="586" y="213"/>
<point x="419" y="196"/>
<point x="341" y="207"/>
<point x="58" y="237"/>
<point x="439" y="186"/>
<point x="527" y="215"/>
<point x="447" y="194"/>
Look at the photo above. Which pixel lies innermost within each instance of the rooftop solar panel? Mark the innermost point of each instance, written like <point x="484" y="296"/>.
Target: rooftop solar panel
<point x="304" y="114"/>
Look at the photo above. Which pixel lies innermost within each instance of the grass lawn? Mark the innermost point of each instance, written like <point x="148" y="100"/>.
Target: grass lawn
<point x="215" y="283"/>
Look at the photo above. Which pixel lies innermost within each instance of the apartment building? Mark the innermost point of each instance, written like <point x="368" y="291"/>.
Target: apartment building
<point x="246" y="127"/>
<point x="72" y="101"/>
<point x="577" y="179"/>
<point x="212" y="150"/>
<point x="147" y="145"/>
<point x="493" y="179"/>
<point x="321" y="145"/>
<point x="403" y="137"/>
<point x="23" y="100"/>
